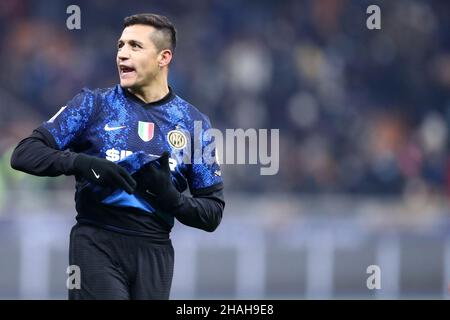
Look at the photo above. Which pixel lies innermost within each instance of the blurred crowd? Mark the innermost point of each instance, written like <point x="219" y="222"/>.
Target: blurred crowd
<point x="359" y="111"/>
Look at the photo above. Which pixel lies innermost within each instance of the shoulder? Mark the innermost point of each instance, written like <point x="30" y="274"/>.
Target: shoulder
<point x="99" y="92"/>
<point x="96" y="97"/>
<point x="104" y="93"/>
<point x="190" y="110"/>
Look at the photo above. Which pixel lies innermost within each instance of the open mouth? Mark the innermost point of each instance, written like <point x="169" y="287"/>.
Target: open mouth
<point x="126" y="71"/>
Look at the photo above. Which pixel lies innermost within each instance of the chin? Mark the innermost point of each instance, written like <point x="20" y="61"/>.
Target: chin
<point x="126" y="83"/>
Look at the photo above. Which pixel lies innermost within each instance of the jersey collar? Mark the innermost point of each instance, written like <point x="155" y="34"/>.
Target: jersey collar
<point x="164" y="100"/>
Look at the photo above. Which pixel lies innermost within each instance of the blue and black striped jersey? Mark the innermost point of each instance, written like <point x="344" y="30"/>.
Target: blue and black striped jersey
<point x="114" y="124"/>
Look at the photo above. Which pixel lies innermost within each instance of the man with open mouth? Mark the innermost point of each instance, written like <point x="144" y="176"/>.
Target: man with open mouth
<point x="126" y="146"/>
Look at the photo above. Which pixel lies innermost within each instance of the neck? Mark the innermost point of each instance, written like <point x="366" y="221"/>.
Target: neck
<point x="152" y="92"/>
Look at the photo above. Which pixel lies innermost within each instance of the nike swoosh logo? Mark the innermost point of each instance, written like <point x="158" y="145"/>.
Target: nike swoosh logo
<point x="108" y="128"/>
<point x="95" y="174"/>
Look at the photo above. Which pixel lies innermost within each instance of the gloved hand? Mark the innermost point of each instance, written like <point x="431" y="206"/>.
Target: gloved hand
<point x="103" y="172"/>
<point x="155" y="183"/>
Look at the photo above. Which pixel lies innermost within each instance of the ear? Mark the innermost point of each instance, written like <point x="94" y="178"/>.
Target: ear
<point x="165" y="57"/>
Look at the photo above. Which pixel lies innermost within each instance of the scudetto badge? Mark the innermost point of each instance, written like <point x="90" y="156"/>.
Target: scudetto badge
<point x="176" y="139"/>
<point x="146" y="130"/>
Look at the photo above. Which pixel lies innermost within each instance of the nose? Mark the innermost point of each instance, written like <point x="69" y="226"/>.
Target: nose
<point x="122" y="56"/>
<point x="123" y="53"/>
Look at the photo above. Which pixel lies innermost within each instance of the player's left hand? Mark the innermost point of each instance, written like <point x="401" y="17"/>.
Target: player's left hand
<point x="154" y="181"/>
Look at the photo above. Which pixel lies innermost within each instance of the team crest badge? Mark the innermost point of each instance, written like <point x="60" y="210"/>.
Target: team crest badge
<point x="146" y="130"/>
<point x="176" y="139"/>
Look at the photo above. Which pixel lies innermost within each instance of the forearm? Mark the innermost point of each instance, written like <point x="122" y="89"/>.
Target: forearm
<point x="38" y="155"/>
<point x="201" y="211"/>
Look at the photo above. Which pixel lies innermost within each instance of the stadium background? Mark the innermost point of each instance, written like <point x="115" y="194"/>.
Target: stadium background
<point x="364" y="151"/>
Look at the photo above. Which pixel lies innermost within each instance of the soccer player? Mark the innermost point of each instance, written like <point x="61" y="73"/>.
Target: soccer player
<point x="123" y="145"/>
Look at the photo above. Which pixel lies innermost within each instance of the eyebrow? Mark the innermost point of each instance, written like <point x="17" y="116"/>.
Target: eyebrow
<point x="120" y="41"/>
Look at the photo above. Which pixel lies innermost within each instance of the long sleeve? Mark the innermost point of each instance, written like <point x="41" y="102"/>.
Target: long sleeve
<point x="202" y="211"/>
<point x="38" y="155"/>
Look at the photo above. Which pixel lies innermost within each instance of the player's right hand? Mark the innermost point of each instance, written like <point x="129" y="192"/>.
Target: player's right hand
<point x="103" y="172"/>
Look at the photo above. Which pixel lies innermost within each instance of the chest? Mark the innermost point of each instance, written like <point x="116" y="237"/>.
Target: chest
<point x="119" y="133"/>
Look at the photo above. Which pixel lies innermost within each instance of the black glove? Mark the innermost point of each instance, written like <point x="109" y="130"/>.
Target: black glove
<point x="155" y="183"/>
<point x="103" y="172"/>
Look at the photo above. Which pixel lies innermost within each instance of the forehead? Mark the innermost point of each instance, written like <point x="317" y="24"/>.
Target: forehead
<point x="137" y="32"/>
